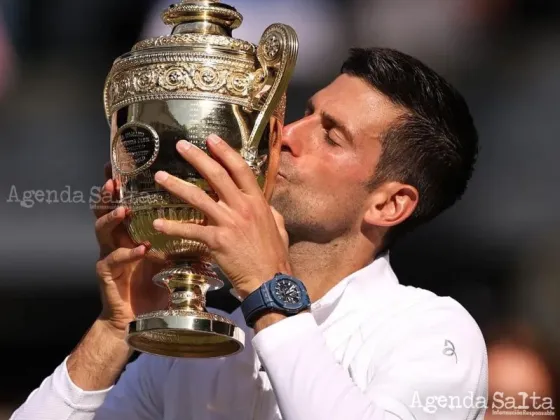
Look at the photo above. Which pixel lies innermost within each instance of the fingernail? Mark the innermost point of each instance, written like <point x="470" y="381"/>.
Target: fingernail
<point x="183" y="146"/>
<point x="214" y="139"/>
<point x="139" y="250"/>
<point x="161" y="176"/>
<point x="158" y="224"/>
<point x="127" y="211"/>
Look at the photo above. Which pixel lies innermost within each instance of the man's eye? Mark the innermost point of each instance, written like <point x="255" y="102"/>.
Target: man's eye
<point x="329" y="140"/>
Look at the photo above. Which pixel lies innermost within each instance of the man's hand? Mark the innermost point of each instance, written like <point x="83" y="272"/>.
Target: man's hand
<point x="126" y="286"/>
<point x="109" y="228"/>
<point x="126" y="289"/>
<point x="246" y="239"/>
<point x="125" y="276"/>
<point x="124" y="271"/>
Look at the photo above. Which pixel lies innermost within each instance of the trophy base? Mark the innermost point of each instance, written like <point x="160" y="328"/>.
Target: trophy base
<point x="189" y="334"/>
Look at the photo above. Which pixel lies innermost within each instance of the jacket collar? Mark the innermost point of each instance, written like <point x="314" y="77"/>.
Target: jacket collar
<point x="365" y="283"/>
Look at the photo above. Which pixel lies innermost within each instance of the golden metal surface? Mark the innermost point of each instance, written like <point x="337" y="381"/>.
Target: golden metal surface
<point x="195" y="10"/>
<point x="197" y="81"/>
<point x="190" y="40"/>
<point x="185" y="334"/>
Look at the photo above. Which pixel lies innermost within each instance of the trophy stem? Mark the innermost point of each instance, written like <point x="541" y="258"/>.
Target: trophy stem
<point x="190" y="298"/>
<point x="186" y="328"/>
<point x="188" y="282"/>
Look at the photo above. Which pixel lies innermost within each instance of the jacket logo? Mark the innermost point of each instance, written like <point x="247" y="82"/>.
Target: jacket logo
<point x="449" y="349"/>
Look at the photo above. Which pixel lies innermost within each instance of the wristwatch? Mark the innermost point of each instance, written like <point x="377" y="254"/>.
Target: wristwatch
<point x="283" y="294"/>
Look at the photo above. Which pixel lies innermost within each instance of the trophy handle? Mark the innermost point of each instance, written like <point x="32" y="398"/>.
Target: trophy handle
<point x="277" y="54"/>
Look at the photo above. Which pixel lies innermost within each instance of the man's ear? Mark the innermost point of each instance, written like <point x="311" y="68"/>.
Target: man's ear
<point x="391" y="204"/>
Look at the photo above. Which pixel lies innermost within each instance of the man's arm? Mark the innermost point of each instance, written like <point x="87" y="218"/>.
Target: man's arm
<point x="99" y="359"/>
<point x="79" y="386"/>
<point x="136" y="396"/>
<point x="416" y="369"/>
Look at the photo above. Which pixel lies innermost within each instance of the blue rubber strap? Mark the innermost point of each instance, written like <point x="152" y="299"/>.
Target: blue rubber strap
<point x="255" y="303"/>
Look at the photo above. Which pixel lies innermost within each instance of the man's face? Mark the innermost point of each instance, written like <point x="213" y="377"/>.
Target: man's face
<point x="327" y="159"/>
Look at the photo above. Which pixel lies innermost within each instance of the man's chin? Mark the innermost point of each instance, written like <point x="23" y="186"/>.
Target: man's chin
<point x="280" y="201"/>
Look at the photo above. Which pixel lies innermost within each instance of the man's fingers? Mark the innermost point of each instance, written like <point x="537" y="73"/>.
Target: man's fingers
<point x="105" y="225"/>
<point x="109" y="267"/>
<point x="125" y="255"/>
<point x="235" y="165"/>
<point x="106" y="202"/>
<point x="278" y="218"/>
<point x="185" y="230"/>
<point x="280" y="224"/>
<point x="108" y="194"/>
<point x="108" y="169"/>
<point x="191" y="194"/>
<point x="212" y="171"/>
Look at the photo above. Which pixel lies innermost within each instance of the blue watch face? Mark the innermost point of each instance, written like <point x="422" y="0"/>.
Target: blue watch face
<point x="287" y="291"/>
<point x="288" y="294"/>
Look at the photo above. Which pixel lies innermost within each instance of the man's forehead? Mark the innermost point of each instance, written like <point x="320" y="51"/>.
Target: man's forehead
<point x="357" y="102"/>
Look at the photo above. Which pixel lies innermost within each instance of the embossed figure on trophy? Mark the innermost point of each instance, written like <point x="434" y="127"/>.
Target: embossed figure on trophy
<point x="185" y="86"/>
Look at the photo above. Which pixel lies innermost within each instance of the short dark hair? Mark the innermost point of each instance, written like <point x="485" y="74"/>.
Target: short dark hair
<point x="433" y="146"/>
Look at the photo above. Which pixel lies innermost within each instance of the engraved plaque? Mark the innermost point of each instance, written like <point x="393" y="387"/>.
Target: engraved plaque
<point x="135" y="147"/>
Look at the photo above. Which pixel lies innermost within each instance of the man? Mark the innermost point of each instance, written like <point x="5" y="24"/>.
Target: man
<point x="385" y="147"/>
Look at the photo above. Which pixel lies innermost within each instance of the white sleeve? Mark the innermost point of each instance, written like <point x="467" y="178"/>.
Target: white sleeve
<point x="136" y="396"/>
<point x="416" y="372"/>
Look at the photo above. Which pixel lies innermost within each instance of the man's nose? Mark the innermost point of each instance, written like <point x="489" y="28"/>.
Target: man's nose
<point x="292" y="135"/>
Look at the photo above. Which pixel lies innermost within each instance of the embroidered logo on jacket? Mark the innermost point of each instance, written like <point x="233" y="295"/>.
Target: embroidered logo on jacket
<point x="449" y="349"/>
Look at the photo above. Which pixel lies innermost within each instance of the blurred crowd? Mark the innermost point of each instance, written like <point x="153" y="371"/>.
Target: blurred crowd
<point x="497" y="252"/>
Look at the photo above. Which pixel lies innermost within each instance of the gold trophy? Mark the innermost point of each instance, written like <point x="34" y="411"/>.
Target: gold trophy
<point x="197" y="81"/>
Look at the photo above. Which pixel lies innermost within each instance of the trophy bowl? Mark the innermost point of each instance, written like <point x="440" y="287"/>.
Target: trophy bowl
<point x="194" y="82"/>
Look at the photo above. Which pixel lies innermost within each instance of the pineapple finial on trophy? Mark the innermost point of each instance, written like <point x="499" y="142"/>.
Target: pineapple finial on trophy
<point x="200" y="16"/>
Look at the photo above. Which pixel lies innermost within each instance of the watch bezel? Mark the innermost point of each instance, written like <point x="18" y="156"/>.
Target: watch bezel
<point x="291" y="307"/>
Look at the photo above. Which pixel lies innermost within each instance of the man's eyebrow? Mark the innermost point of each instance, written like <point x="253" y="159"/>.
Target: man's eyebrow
<point x="310" y="106"/>
<point x="329" y="120"/>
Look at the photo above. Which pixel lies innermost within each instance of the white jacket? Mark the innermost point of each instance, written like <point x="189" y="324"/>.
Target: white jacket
<point x="371" y="349"/>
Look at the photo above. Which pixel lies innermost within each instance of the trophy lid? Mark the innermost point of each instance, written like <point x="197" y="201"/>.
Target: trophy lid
<point x="202" y="16"/>
<point x="200" y="23"/>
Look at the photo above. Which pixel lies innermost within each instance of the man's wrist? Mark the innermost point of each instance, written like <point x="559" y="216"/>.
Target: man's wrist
<point x="257" y="282"/>
<point x="280" y="297"/>
<point x="270" y="318"/>
<point x="99" y="358"/>
<point x="110" y="329"/>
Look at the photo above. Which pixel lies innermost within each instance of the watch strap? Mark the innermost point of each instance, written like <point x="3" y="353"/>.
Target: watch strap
<point x="255" y="303"/>
<point x="262" y="300"/>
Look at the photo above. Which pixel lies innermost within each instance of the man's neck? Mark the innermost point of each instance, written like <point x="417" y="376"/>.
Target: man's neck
<point x="323" y="266"/>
